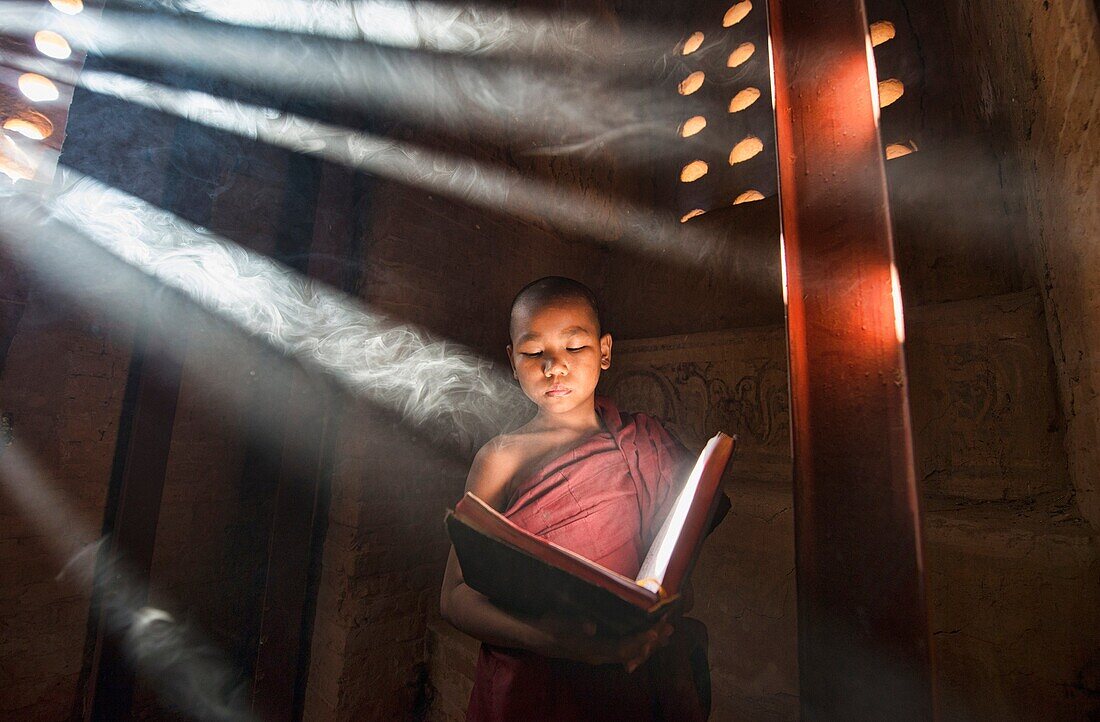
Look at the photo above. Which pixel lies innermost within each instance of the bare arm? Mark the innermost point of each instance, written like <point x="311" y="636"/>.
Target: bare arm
<point x="552" y="635"/>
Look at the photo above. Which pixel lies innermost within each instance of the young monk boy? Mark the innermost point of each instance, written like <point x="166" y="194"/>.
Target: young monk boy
<point x="594" y="481"/>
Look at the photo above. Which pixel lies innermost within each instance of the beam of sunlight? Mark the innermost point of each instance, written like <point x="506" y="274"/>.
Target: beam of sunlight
<point x="492" y="187"/>
<point x="436" y="26"/>
<point x="184" y="669"/>
<point x="427" y="382"/>
<point x="539" y="106"/>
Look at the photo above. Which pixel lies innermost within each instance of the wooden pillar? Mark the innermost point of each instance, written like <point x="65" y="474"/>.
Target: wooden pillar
<point x="326" y="234"/>
<point x="862" y="620"/>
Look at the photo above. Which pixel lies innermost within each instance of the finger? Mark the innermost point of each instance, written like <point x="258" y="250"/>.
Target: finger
<point x="640" y="654"/>
<point x="628" y="645"/>
<point x="639" y="659"/>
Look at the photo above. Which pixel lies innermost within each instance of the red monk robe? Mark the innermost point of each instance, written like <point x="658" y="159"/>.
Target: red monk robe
<point x="604" y="500"/>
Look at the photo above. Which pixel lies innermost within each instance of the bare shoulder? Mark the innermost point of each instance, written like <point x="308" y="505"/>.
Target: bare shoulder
<point x="504" y="458"/>
<point x="494" y="466"/>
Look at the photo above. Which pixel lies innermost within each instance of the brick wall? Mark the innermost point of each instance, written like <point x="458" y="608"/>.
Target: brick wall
<point x="380" y="577"/>
<point x="63" y="384"/>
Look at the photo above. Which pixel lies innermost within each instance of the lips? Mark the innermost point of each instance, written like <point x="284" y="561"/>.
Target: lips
<point x="556" y="391"/>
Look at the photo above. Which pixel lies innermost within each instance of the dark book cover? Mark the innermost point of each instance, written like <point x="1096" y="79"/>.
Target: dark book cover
<point x="525" y="584"/>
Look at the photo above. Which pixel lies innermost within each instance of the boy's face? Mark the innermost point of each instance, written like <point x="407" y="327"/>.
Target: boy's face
<point x="557" y="354"/>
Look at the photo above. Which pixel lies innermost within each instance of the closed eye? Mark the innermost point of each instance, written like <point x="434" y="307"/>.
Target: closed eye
<point x="531" y="354"/>
<point x="576" y="349"/>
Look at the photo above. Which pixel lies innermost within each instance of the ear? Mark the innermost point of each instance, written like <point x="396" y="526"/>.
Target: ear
<point x="511" y="361"/>
<point x="605" y="351"/>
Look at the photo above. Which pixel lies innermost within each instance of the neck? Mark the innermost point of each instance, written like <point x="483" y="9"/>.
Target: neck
<point x="581" y="419"/>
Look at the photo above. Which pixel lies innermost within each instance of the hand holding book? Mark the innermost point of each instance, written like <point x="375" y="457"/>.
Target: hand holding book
<point x="574" y="638"/>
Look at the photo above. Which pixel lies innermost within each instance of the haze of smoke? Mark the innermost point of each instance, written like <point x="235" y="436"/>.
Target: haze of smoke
<point x="464" y="94"/>
<point x="426" y="381"/>
<point x="480" y="184"/>
<point x="440" y="27"/>
<point x="180" y="666"/>
<point x="188" y="674"/>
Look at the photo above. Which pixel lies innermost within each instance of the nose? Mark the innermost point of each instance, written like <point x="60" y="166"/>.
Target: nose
<point x="554" y="365"/>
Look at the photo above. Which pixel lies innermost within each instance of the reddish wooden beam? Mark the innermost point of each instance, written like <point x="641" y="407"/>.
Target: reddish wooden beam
<point x="863" y="641"/>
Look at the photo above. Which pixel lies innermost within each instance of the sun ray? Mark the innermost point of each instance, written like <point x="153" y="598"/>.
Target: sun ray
<point x="426" y="381"/>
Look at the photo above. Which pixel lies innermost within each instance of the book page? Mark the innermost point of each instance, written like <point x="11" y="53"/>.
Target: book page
<point x="652" y="574"/>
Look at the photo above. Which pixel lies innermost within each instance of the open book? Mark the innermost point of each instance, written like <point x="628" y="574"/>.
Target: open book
<point x="530" y="575"/>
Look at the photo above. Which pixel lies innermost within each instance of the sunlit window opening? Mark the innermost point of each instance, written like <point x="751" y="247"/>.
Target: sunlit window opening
<point x="881" y="32"/>
<point x="782" y="266"/>
<point x="31" y="125"/>
<point x="747" y="148"/>
<point x="748" y="197"/>
<point x="736" y="13"/>
<point x="692" y="125"/>
<point x="744" y="99"/>
<point x="50" y="43"/>
<point x="692" y="214"/>
<point x="889" y="91"/>
<point x="69" y="7"/>
<point x="692" y="44"/>
<point x="741" y="54"/>
<point x="693" y="171"/>
<point x="14" y="163"/>
<point x="897" y="150"/>
<point x="38" y="88"/>
<point x="899" y="314"/>
<point x="692" y="83"/>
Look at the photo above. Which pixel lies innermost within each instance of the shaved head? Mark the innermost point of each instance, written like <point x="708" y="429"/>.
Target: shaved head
<point x="549" y="291"/>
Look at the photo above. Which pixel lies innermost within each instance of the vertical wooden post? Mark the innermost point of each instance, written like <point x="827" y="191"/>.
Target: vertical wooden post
<point x="862" y="620"/>
<point x="301" y="497"/>
<point x="140" y="464"/>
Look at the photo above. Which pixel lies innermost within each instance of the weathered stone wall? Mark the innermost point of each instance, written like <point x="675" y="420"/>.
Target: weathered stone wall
<point x="1005" y="94"/>
<point x="1042" y="63"/>
<point x="210" y="553"/>
<point x="63" y="381"/>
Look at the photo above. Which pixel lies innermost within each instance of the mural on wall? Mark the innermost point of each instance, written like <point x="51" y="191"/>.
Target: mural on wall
<point x="695" y="400"/>
<point x="983" y="400"/>
<point x="704" y="383"/>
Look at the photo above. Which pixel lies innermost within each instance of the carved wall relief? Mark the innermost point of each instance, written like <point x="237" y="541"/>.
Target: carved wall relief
<point x="986" y="423"/>
<point x="705" y="383"/>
